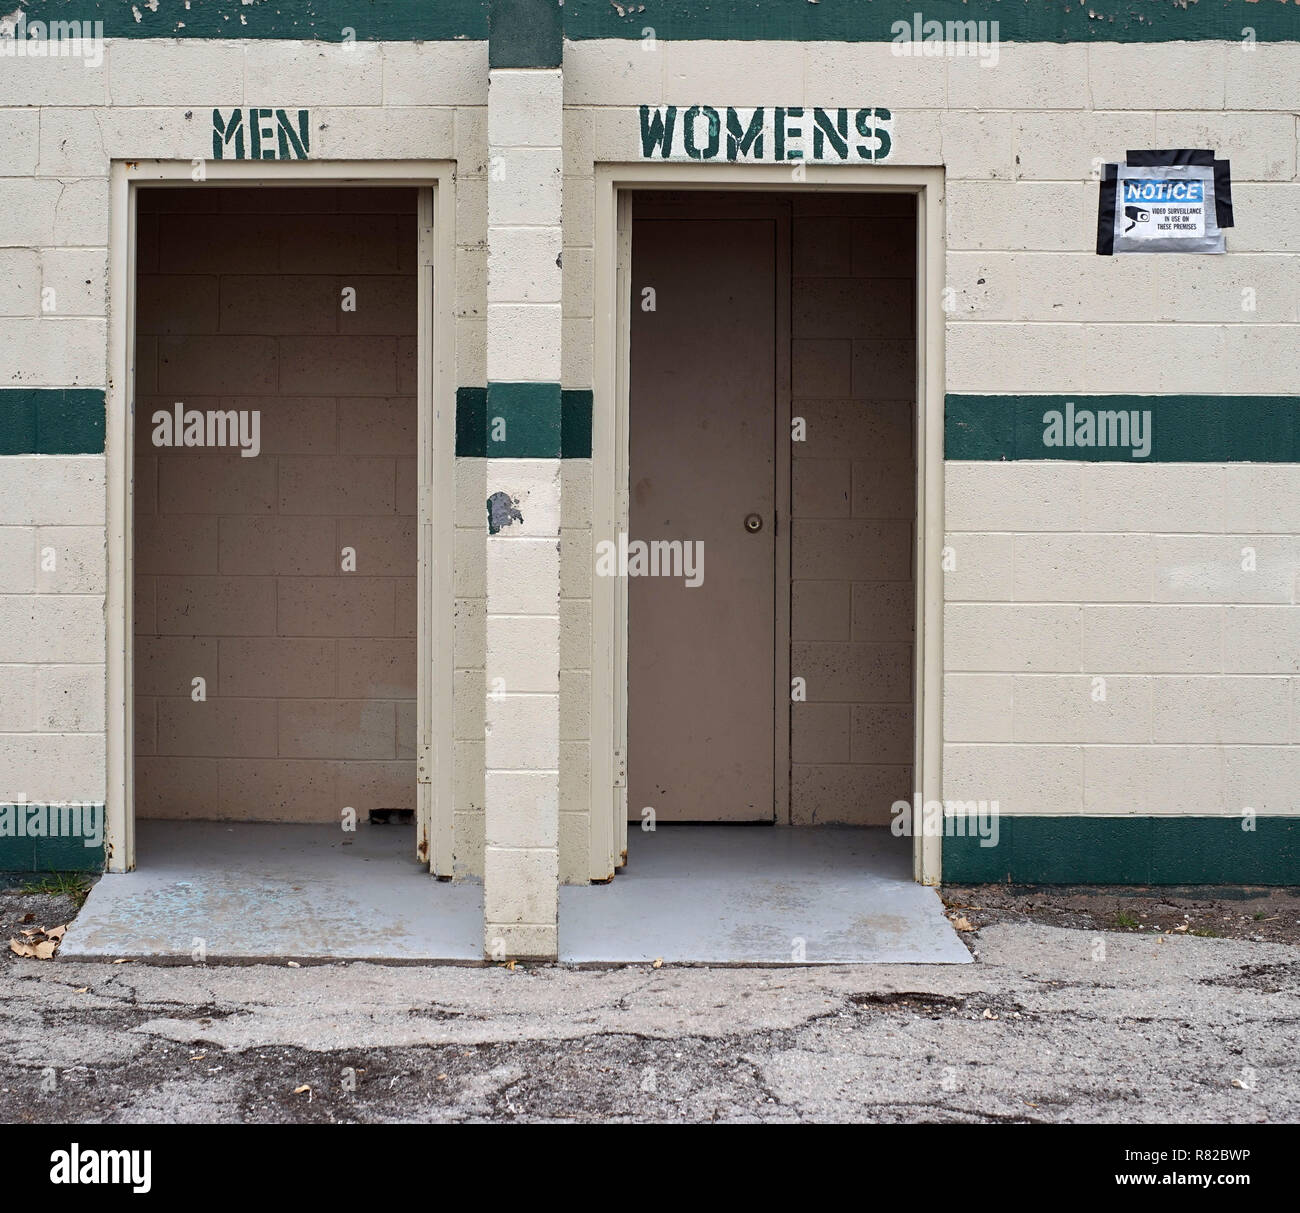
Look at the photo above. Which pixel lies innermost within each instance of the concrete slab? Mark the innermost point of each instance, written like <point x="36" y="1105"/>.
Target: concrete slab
<point x="254" y="890"/>
<point x="749" y="894"/>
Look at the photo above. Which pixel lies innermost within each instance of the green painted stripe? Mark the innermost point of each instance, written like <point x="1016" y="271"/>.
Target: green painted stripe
<point x="1129" y="850"/>
<point x="525" y="33"/>
<point x="316" y="20"/>
<point x="540" y="420"/>
<point x="67" y="853"/>
<point x="1183" y="429"/>
<point x="51" y="421"/>
<point x="575" y="423"/>
<point x="873" y="20"/>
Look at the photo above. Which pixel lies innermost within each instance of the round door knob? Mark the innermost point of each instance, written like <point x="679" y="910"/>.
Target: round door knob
<point x="753" y="522"/>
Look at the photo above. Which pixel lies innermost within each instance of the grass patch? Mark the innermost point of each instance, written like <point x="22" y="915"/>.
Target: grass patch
<point x="1126" y="922"/>
<point x="60" y="884"/>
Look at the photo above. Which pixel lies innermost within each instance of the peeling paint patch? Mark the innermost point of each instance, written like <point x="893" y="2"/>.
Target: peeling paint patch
<point x="502" y="510"/>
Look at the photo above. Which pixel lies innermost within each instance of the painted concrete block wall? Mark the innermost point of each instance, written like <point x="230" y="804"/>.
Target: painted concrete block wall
<point x="62" y="121"/>
<point x="523" y="442"/>
<point x="853" y="506"/>
<point x="1066" y="573"/>
<point x="285" y="581"/>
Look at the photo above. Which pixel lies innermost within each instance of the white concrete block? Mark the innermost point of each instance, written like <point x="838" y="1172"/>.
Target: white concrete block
<point x="520" y="890"/>
<point x="523" y="734"/>
<point x="435" y="73"/>
<point x="53" y="352"/>
<point x="19" y="141"/>
<point x="613" y="71"/>
<point x="1154" y="639"/>
<point x="1260" y="498"/>
<point x="1026" y="76"/>
<point x="523" y="809"/>
<point x="18" y="698"/>
<point x="533" y="486"/>
<point x="1261" y="639"/>
<point x="52" y="490"/>
<point x="525" y="108"/>
<point x="870" y="74"/>
<point x="384" y="133"/>
<point x="52" y="767"/>
<point x="523" y="654"/>
<point x="523" y="342"/>
<point x="62" y="80"/>
<point x="1124" y="780"/>
<point x="1083" y="568"/>
<point x="17" y="559"/>
<point x="1213" y="708"/>
<point x="981" y="567"/>
<point x="1191" y="75"/>
<point x="1020" y="496"/>
<point x="977" y="707"/>
<point x="184" y="71"/>
<point x="1082" y="708"/>
<point x="78" y="280"/>
<point x="1010" y="638"/>
<point x="20" y="282"/>
<point x="735" y="73"/>
<point x="81" y="212"/>
<point x="575" y="705"/>
<point x="523" y="576"/>
<point x="1263" y="778"/>
<point x="29" y="209"/>
<point x="978" y="145"/>
<point x="524" y="186"/>
<point x="1224" y="568"/>
<point x="1153" y="497"/>
<point x="70" y="698"/>
<point x="1260" y="146"/>
<point x="37" y="628"/>
<point x="71" y="560"/>
<point x="1057" y="146"/>
<point x="1261" y="77"/>
<point x="524" y="265"/>
<point x="1015" y="215"/>
<point x="313" y="73"/>
<point x="1036" y="779"/>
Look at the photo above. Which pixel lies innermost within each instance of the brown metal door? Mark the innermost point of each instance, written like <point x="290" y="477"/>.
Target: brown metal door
<point x="702" y="384"/>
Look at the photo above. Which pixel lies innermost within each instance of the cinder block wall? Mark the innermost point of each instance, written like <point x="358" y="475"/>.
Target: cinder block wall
<point x="853" y="360"/>
<point x="299" y="305"/>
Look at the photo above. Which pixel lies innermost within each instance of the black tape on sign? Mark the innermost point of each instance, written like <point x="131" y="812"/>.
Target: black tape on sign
<point x="1106" y="211"/>
<point x="1174" y="157"/>
<point x="1223" y="193"/>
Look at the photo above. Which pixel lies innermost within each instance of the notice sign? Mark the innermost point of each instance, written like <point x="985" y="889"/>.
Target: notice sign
<point x="1155" y="209"/>
<point x="1175" y="201"/>
<point x="766" y="134"/>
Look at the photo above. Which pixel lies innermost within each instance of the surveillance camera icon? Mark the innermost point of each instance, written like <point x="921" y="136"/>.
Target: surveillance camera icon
<point x="1137" y="215"/>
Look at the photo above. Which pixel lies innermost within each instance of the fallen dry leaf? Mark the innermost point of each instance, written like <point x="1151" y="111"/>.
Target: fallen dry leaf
<point x="28" y="917"/>
<point x="305" y="1089"/>
<point x="962" y="923"/>
<point x="121" y="960"/>
<point x="82" y="990"/>
<point x="57" y="932"/>
<point x="658" y="963"/>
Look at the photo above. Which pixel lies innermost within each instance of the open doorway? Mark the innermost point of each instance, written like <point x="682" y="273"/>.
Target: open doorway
<point x="276" y="562"/>
<point x="773" y="428"/>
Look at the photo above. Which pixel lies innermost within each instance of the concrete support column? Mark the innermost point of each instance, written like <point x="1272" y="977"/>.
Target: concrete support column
<point x="522" y="797"/>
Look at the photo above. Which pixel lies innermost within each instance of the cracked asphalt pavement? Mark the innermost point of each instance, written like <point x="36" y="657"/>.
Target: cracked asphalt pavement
<point x="1052" y="1024"/>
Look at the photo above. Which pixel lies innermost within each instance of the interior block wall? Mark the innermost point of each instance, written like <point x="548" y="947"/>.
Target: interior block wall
<point x="853" y="506"/>
<point x="241" y="574"/>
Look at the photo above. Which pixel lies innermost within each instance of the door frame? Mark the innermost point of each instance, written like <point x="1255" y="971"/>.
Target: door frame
<point x="614" y="187"/>
<point x="436" y="434"/>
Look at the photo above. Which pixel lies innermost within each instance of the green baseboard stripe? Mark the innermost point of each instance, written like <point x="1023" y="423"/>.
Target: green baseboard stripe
<point x="51" y="421"/>
<point x="873" y="20"/>
<point x="540" y="422"/>
<point x="1129" y="850"/>
<point x="49" y="838"/>
<point x="525" y="33"/>
<point x="1124" y="428"/>
<point x="315" y="20"/>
